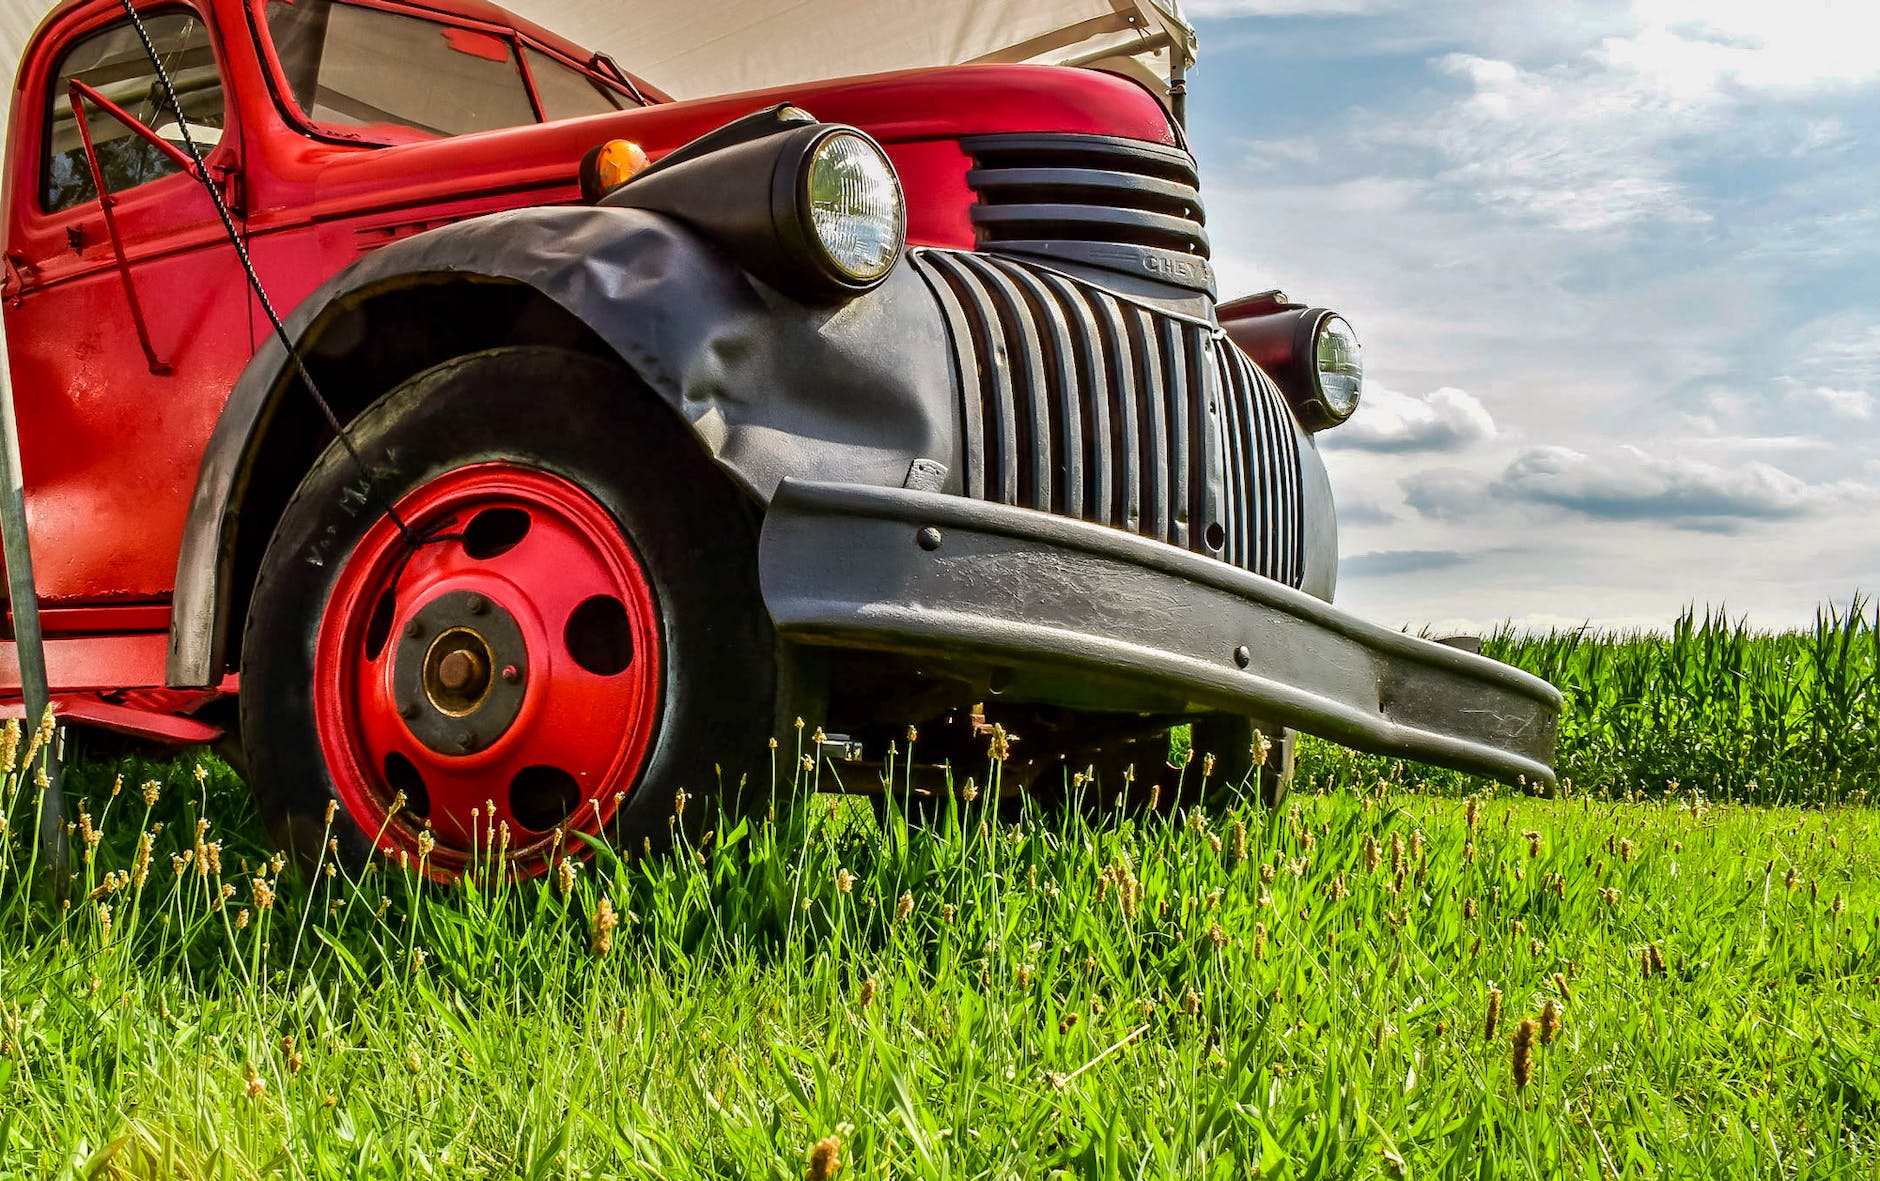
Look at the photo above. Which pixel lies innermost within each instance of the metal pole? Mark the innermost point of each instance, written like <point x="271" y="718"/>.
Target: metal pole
<point x="1178" y="83"/>
<point x="28" y="644"/>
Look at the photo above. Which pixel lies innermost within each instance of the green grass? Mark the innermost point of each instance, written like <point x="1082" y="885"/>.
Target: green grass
<point x="1138" y="999"/>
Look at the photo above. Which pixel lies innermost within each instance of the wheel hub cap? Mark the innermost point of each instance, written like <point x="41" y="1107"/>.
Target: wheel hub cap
<point x="444" y="678"/>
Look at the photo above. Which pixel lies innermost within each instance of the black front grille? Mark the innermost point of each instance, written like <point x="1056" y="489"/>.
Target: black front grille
<point x="1083" y="403"/>
<point x="1082" y="197"/>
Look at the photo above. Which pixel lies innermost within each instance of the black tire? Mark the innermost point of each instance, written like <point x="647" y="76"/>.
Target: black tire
<point x="587" y="421"/>
<point x="1232" y="742"/>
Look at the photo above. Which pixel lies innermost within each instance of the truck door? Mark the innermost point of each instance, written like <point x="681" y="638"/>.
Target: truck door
<point x="125" y="340"/>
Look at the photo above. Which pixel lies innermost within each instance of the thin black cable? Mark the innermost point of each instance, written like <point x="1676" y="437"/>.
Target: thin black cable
<point x="254" y="281"/>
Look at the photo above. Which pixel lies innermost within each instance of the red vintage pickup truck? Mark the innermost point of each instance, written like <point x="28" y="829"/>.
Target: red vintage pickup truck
<point x="601" y="431"/>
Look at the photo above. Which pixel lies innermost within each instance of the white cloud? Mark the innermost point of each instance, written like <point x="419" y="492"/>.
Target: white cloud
<point x="1856" y="404"/>
<point x="1601" y="140"/>
<point x="1793" y="45"/>
<point x="1630" y="484"/>
<point x="1446" y="419"/>
<point x="1573" y="146"/>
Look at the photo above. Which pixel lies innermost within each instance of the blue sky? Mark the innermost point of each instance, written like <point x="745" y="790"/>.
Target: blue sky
<point x="1614" y="269"/>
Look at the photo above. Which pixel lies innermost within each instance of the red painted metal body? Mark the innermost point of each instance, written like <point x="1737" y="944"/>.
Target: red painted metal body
<point x="111" y="442"/>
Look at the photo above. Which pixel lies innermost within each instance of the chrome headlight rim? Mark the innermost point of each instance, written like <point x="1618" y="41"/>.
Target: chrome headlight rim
<point x="798" y="225"/>
<point x="1338" y="398"/>
<point x="1316" y="407"/>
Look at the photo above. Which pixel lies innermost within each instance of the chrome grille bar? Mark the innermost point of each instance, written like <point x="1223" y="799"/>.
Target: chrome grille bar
<point x="1077" y="402"/>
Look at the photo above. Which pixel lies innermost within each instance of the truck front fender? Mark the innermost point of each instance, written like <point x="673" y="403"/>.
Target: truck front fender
<point x="862" y="392"/>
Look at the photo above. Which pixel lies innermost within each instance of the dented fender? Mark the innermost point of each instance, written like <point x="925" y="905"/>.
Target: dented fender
<point x="862" y="392"/>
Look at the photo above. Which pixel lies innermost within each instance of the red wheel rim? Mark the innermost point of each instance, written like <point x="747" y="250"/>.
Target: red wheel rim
<point x="504" y="676"/>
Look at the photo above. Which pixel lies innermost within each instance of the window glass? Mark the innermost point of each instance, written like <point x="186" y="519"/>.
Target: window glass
<point x="365" y="67"/>
<point x="114" y="63"/>
<point x="567" y="93"/>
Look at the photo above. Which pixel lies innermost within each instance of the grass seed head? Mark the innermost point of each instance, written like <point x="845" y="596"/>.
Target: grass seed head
<point x="605" y="920"/>
<point x="1550" y="1022"/>
<point x="825" y="1159"/>
<point x="1493" y="1020"/>
<point x="9" y="746"/>
<point x="1523" y="1064"/>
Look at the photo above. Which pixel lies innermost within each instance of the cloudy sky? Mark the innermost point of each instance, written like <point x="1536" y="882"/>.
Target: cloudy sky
<point x="1614" y="266"/>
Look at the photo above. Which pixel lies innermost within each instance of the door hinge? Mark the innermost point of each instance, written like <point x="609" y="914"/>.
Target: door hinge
<point x="228" y="178"/>
<point x="13" y="281"/>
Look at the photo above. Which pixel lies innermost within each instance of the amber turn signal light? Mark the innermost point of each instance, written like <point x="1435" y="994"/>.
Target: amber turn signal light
<point x="609" y="166"/>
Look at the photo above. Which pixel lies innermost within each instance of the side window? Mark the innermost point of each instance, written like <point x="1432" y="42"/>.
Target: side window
<point x="566" y="93"/>
<point x="351" y="66"/>
<point x="113" y="62"/>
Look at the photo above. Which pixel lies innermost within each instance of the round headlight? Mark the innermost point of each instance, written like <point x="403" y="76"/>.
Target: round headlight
<point x="1340" y="363"/>
<point x="855" y="210"/>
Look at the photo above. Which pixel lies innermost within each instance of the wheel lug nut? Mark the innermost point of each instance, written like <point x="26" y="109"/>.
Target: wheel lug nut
<point x="414" y="630"/>
<point x="511" y="673"/>
<point x="477" y="604"/>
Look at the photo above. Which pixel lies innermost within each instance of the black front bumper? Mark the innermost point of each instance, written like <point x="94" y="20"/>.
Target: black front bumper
<point x="1070" y="613"/>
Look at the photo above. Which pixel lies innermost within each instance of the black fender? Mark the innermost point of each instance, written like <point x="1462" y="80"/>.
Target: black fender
<point x="861" y="392"/>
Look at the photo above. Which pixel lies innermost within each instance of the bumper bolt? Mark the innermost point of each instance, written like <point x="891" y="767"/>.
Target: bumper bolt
<point x="511" y="673"/>
<point x="928" y="539"/>
<point x="1243" y="656"/>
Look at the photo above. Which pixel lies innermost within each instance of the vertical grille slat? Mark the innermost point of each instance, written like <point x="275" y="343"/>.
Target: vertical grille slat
<point x="1206" y="483"/>
<point x="1239" y="447"/>
<point x="1152" y="405"/>
<point x="1085" y="403"/>
<point x="1063" y="396"/>
<point x="1125" y="433"/>
<point x="971" y="372"/>
<point x="1025" y="345"/>
<point x="1183" y="447"/>
<point x="998" y="401"/>
<point x="1093" y="396"/>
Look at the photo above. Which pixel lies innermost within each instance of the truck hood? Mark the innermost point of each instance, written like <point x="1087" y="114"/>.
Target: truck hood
<point x="917" y="114"/>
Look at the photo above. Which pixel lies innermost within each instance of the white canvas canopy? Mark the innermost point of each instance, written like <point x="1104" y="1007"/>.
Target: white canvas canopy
<point x="716" y="46"/>
<point x="18" y="19"/>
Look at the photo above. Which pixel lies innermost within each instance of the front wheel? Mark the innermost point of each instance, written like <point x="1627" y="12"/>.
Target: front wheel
<point x="560" y="631"/>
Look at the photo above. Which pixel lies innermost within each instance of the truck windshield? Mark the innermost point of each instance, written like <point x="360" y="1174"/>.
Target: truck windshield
<point x="377" y="70"/>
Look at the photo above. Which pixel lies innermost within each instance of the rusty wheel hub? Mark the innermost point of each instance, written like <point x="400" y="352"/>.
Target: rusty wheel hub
<point x="445" y="677"/>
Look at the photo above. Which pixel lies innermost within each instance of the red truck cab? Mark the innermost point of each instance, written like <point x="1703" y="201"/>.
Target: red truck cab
<point x="540" y="503"/>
